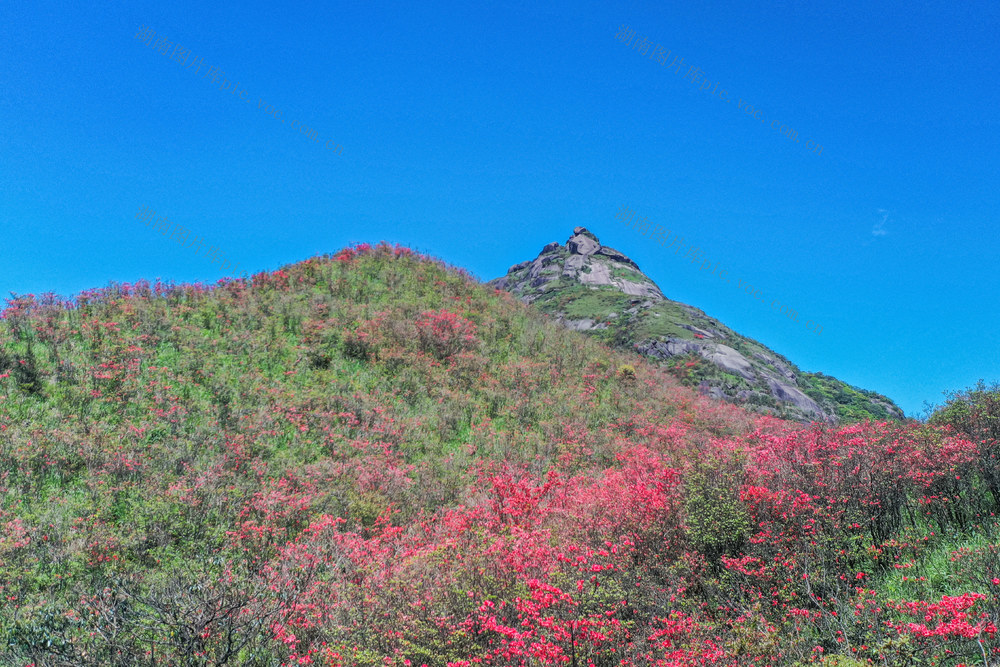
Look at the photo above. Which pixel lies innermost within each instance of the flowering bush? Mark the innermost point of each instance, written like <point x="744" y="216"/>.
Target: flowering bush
<point x="444" y="333"/>
<point x="368" y="459"/>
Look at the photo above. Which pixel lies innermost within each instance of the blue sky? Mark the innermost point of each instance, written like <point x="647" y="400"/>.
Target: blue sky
<point x="480" y="133"/>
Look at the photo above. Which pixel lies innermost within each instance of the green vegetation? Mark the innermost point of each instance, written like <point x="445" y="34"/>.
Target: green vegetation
<point x="662" y="319"/>
<point x="717" y="522"/>
<point x="580" y="301"/>
<point x="371" y="459"/>
<point x="628" y="274"/>
<point x="849" y="403"/>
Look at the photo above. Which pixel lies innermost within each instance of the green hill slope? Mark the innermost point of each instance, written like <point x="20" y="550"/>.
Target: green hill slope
<point x="147" y="431"/>
<point x="371" y="459"/>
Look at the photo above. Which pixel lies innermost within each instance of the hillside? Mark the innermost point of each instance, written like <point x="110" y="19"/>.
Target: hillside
<point x="599" y="290"/>
<point x="371" y="459"/>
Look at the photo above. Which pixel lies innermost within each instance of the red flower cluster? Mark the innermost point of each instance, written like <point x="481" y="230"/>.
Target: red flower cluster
<point x="445" y="333"/>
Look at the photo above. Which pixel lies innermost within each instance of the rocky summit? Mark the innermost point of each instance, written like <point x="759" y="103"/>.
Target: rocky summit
<point x="598" y="290"/>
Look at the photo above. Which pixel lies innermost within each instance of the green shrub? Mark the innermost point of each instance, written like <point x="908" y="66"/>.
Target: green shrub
<point x="717" y="522"/>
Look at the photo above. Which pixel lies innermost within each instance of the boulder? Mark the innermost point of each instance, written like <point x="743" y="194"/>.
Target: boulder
<point x="648" y="290"/>
<point x="729" y="360"/>
<point x="619" y="257"/>
<point x="786" y="393"/>
<point x="579" y="325"/>
<point x="583" y="245"/>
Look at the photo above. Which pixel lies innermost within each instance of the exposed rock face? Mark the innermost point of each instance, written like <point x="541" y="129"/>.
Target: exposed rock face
<point x="612" y="254"/>
<point x="788" y="393"/>
<point x="583" y="245"/>
<point x="599" y="290"/>
<point x="732" y="361"/>
<point x="583" y="260"/>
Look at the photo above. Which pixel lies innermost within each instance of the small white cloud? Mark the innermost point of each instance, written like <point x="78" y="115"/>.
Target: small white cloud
<point x="879" y="228"/>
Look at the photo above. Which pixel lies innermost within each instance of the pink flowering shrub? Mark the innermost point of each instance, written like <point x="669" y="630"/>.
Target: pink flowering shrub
<point x="368" y="459"/>
<point x="444" y="333"/>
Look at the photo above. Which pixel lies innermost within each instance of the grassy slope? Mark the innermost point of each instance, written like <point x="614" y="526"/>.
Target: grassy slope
<point x="156" y="444"/>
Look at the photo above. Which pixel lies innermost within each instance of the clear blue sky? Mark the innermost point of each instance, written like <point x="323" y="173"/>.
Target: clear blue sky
<point x="480" y="132"/>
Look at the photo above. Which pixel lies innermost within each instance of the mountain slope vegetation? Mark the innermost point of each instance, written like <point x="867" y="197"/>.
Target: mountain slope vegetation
<point x="370" y="458"/>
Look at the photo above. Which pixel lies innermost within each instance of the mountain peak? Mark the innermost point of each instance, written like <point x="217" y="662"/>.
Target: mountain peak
<point x="595" y="289"/>
<point x="583" y="242"/>
<point x="582" y="261"/>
